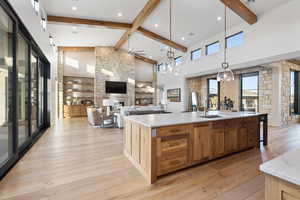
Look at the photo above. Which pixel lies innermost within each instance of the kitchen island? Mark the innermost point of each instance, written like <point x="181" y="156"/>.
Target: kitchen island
<point x="282" y="177"/>
<point x="164" y="143"/>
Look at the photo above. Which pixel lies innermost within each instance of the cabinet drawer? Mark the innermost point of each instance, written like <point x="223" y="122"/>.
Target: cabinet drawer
<point x="167" y="166"/>
<point x="173" y="130"/>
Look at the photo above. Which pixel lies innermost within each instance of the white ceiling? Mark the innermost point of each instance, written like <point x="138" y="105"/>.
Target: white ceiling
<point x="189" y="16"/>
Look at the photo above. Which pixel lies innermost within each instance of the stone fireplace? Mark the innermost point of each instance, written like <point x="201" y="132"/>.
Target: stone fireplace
<point x="114" y="65"/>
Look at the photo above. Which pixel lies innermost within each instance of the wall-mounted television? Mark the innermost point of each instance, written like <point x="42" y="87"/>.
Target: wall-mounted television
<point x="115" y="87"/>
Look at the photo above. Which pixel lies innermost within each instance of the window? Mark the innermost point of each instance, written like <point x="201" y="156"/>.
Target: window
<point x="213" y="100"/>
<point x="249" y="90"/>
<point x="196" y="54"/>
<point x="294" y="93"/>
<point x="178" y="60"/>
<point x="34" y="94"/>
<point x="213" y="48"/>
<point x="159" y="67"/>
<point x="235" y="40"/>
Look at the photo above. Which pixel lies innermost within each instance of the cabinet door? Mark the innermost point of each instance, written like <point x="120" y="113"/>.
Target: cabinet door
<point x="217" y="139"/>
<point x="201" y="141"/>
<point x="252" y="125"/>
<point x="243" y="138"/>
<point x="232" y="128"/>
<point x="172" y="152"/>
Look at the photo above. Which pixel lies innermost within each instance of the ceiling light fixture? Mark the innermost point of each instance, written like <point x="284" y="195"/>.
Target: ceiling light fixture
<point x="156" y="25"/>
<point x="74" y="8"/>
<point x="219" y="18"/>
<point x="51" y="40"/>
<point x="120" y="14"/>
<point x="225" y="74"/>
<point x="182" y="38"/>
<point x="74" y="28"/>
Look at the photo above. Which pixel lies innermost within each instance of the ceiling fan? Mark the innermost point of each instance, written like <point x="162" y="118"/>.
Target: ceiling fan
<point x="133" y="51"/>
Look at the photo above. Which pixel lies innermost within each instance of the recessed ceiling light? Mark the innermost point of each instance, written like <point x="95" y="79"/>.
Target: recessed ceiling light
<point x="74" y="8"/>
<point x="219" y="18"/>
<point x="155" y="25"/>
<point x="120" y="14"/>
<point x="74" y="27"/>
<point x="182" y="38"/>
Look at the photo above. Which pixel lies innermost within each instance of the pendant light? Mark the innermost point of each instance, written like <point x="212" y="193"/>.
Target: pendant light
<point x="225" y="74"/>
<point x="169" y="63"/>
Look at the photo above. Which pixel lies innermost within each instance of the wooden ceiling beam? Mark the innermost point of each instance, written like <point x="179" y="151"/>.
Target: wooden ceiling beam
<point x="138" y="21"/>
<point x="294" y="61"/>
<point x="161" y="39"/>
<point x="147" y="60"/>
<point x="74" y="49"/>
<point x="90" y="22"/>
<point x="240" y="9"/>
<point x="116" y="25"/>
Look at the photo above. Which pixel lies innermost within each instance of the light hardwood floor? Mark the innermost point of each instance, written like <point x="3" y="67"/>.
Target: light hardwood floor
<point x="77" y="162"/>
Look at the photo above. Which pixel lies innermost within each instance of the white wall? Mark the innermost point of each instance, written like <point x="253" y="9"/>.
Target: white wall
<point x="80" y="64"/>
<point x="274" y="37"/>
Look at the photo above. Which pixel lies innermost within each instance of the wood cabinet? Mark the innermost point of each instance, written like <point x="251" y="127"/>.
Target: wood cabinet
<point x="277" y="189"/>
<point x="217" y="138"/>
<point x="159" y="151"/>
<point x="172" y="148"/>
<point x="75" y="111"/>
<point x="201" y="142"/>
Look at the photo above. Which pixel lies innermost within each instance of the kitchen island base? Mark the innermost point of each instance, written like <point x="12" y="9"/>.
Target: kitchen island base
<point x="162" y="150"/>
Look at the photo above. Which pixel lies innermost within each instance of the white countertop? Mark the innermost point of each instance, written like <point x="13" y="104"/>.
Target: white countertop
<point x="285" y="167"/>
<point x="160" y="120"/>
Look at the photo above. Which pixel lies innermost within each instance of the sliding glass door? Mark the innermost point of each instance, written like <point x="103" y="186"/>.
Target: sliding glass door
<point x="41" y="95"/>
<point x="6" y="87"/>
<point x="23" y="85"/>
<point x="34" y="94"/>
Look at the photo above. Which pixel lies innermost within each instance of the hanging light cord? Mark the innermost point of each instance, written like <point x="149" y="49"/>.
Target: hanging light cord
<point x="170" y="21"/>
<point x="225" y="34"/>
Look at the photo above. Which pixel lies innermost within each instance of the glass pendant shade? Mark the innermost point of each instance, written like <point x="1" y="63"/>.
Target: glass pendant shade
<point x="225" y="74"/>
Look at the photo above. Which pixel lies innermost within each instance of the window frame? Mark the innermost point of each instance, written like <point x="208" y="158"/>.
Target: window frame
<point x="216" y="42"/>
<point x="178" y="57"/>
<point x="199" y="49"/>
<point x="296" y="92"/>
<point x="241" y="88"/>
<point x="226" y="39"/>
<point x="208" y="93"/>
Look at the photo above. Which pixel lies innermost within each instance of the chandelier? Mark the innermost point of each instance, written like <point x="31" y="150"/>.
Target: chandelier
<point x="225" y="74"/>
<point x="169" y="63"/>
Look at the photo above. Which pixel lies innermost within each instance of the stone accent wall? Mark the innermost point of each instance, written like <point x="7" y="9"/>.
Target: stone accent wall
<point x="114" y="65"/>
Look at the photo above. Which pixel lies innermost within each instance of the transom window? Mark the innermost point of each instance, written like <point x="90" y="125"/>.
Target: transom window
<point x="196" y="54"/>
<point x="212" y="48"/>
<point x="178" y="60"/>
<point x="235" y="40"/>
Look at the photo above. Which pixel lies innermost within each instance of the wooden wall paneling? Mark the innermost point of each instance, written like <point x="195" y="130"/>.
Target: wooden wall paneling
<point x="135" y="145"/>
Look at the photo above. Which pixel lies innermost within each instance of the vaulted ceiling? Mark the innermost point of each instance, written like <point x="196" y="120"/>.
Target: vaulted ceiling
<point x="193" y="21"/>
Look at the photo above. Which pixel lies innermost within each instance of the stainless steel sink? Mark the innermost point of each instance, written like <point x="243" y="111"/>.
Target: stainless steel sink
<point x="210" y="116"/>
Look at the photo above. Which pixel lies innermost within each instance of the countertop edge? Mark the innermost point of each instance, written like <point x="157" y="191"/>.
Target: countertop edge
<point x="203" y="121"/>
<point x="278" y="175"/>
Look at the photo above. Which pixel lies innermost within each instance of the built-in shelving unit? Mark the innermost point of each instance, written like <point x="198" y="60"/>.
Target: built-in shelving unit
<point x="144" y="93"/>
<point x="78" y="94"/>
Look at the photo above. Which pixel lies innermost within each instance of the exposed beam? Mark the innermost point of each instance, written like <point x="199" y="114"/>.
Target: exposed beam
<point x="294" y="61"/>
<point x="116" y="25"/>
<point x="61" y="48"/>
<point x="147" y="60"/>
<point x="240" y="9"/>
<point x="92" y="49"/>
<point x="90" y="22"/>
<point x="138" y="21"/>
<point x="161" y="39"/>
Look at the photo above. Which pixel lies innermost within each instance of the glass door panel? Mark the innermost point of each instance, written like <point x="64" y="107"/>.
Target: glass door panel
<point x="34" y="94"/>
<point x="41" y="94"/>
<point x="6" y="78"/>
<point x="22" y="96"/>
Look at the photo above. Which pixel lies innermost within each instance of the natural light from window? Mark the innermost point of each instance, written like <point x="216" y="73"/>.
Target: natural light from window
<point x="235" y="40"/>
<point x="212" y="48"/>
<point x="196" y="54"/>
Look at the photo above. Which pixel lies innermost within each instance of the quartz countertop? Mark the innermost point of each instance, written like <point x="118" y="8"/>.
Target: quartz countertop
<point x="285" y="167"/>
<point x="161" y="120"/>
